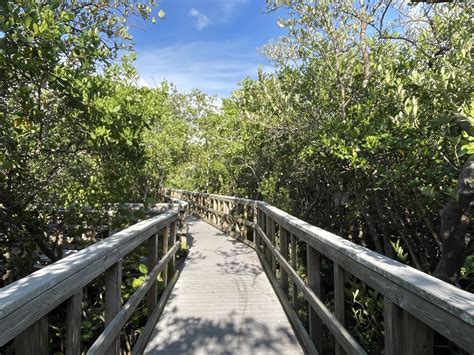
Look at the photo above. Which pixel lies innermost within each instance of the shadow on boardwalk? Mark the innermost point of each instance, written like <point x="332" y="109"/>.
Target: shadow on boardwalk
<point x="222" y="303"/>
<point x="236" y="335"/>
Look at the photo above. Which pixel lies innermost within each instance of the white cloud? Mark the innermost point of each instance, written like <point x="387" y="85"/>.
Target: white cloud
<point x="202" y="21"/>
<point x="228" y="7"/>
<point x="213" y="67"/>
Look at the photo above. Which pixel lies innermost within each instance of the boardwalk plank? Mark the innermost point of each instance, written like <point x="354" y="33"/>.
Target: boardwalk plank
<point x="222" y="303"/>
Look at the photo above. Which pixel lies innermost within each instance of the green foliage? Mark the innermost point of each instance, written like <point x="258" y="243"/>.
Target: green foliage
<point x="367" y="311"/>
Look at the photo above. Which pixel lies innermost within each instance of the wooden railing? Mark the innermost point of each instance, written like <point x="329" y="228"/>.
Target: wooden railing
<point x="25" y="304"/>
<point x="415" y="304"/>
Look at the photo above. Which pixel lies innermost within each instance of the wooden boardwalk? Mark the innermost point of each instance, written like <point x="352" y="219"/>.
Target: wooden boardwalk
<point x="222" y="303"/>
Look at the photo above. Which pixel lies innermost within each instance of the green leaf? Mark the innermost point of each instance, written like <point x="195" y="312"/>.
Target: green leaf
<point x="136" y="283"/>
<point x="143" y="269"/>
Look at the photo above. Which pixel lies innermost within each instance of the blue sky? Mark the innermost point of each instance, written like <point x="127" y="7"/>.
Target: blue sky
<point x="210" y="45"/>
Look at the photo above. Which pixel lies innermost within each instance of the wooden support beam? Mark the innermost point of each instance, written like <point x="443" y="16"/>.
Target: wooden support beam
<point x="294" y="262"/>
<point x="393" y="327"/>
<point x="173" y="239"/>
<point x="151" y="262"/>
<point x="166" y="244"/>
<point x="339" y="278"/>
<point x="417" y="337"/>
<point x="270" y="233"/>
<point x="284" y="252"/>
<point x="73" y="324"/>
<point x="405" y="334"/>
<point x="313" y="259"/>
<point x="113" y="282"/>
<point x="244" y="234"/>
<point x="34" y="339"/>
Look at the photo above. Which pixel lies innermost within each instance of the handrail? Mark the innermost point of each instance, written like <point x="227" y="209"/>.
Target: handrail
<point x="25" y="304"/>
<point x="415" y="303"/>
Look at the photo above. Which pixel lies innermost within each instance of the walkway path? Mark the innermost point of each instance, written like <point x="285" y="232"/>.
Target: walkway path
<point x="222" y="303"/>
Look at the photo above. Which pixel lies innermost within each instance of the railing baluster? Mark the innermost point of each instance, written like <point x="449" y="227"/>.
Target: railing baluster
<point x="294" y="290"/>
<point x="417" y="337"/>
<point x="268" y="233"/>
<point x="173" y="238"/>
<point x="244" y="226"/>
<point x="166" y="243"/>
<point x="405" y="334"/>
<point x="314" y="282"/>
<point x="73" y="324"/>
<point x="34" y="339"/>
<point x="151" y="262"/>
<point x="284" y="252"/>
<point x="339" y="299"/>
<point x="113" y="282"/>
<point x="393" y="319"/>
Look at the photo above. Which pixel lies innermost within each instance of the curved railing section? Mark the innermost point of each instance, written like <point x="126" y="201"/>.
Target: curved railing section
<point x="25" y="304"/>
<point x="415" y="304"/>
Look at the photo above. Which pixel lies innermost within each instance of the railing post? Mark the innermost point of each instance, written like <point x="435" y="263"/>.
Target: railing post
<point x="166" y="243"/>
<point x="294" y="256"/>
<point x="34" y="339"/>
<point x="113" y="282"/>
<point x="404" y="333"/>
<point x="151" y="262"/>
<point x="255" y="223"/>
<point x="245" y="225"/>
<point x="339" y="278"/>
<point x="393" y="320"/>
<point x="284" y="253"/>
<point x="417" y="337"/>
<point x="73" y="324"/>
<point x="227" y="218"/>
<point x="314" y="282"/>
<point x="173" y="235"/>
<point x="270" y="232"/>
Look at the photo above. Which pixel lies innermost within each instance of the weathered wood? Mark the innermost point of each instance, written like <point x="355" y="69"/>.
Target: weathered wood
<point x="34" y="340"/>
<point x="113" y="293"/>
<point x="339" y="300"/>
<point x="417" y="337"/>
<point x="340" y="333"/>
<point x="112" y="329"/>
<point x="443" y="307"/>
<point x="404" y="334"/>
<point x="254" y="222"/>
<point x="290" y="312"/>
<point x="222" y="303"/>
<point x="270" y="232"/>
<point x="245" y="218"/>
<point x="284" y="253"/>
<point x="166" y="244"/>
<point x="152" y="259"/>
<point x="30" y="298"/>
<point x="153" y="318"/>
<point x="73" y="324"/>
<point x="314" y="283"/>
<point x="173" y="240"/>
<point x="294" y="262"/>
<point x="393" y="328"/>
<point x="233" y="199"/>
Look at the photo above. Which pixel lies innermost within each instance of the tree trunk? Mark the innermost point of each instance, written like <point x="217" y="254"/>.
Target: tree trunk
<point x="455" y="223"/>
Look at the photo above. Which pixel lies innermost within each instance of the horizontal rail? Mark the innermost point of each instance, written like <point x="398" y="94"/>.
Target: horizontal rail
<point x="239" y="200"/>
<point x="437" y="304"/>
<point x="27" y="301"/>
<point x="112" y="330"/>
<point x="336" y="328"/>
<point x="433" y="301"/>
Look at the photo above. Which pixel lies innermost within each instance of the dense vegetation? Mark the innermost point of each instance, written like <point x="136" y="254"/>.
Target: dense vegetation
<point x="365" y="128"/>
